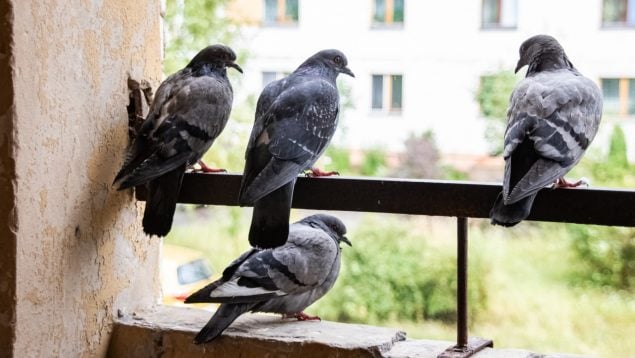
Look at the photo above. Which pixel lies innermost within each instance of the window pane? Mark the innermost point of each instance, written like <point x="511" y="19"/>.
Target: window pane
<point x="291" y="10"/>
<point x="490" y="12"/>
<point x="378" y="91"/>
<point x="268" y="77"/>
<point x="631" y="96"/>
<point x="398" y="11"/>
<point x="509" y="13"/>
<point x="611" y="93"/>
<point x="395" y="103"/>
<point x="614" y="11"/>
<point x="271" y="11"/>
<point x="380" y="11"/>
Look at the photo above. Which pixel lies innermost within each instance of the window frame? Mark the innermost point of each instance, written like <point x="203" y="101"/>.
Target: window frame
<point x="387" y="94"/>
<point x="626" y="103"/>
<point x="282" y="19"/>
<point x="499" y="24"/>
<point x="606" y="25"/>
<point x="389" y="15"/>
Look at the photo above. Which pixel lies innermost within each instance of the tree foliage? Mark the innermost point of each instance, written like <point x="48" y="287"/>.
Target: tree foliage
<point x="493" y="99"/>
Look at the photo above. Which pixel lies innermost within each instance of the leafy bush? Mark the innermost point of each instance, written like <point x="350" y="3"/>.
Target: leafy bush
<point x="391" y="274"/>
<point x="493" y="99"/>
<point x="605" y="256"/>
<point x="374" y="163"/>
<point x="420" y="158"/>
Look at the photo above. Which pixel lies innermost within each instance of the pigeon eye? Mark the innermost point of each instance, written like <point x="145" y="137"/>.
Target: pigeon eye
<point x="337" y="60"/>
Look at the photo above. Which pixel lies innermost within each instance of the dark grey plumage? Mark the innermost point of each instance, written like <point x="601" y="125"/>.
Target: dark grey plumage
<point x="286" y="279"/>
<point x="296" y="118"/>
<point x="553" y="116"/>
<point x="189" y="111"/>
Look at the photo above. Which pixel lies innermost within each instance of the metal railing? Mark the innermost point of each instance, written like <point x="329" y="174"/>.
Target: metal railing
<point x="426" y="197"/>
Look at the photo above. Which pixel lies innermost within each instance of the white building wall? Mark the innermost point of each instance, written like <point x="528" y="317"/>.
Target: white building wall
<point x="441" y="51"/>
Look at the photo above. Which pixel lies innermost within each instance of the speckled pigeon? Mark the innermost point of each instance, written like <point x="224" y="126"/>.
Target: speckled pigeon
<point x="296" y="118"/>
<point x="286" y="279"/>
<point x="189" y="111"/>
<point x="553" y="116"/>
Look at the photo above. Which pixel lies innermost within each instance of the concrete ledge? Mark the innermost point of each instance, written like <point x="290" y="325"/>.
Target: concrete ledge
<point x="168" y="332"/>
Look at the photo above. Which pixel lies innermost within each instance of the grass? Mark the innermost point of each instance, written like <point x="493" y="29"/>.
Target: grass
<point x="531" y="304"/>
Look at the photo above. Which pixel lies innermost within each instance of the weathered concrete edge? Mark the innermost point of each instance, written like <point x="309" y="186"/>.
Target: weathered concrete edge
<point x="169" y="332"/>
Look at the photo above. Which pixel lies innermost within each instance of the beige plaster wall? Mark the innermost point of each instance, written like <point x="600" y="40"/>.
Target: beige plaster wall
<point x="81" y="256"/>
<point x="7" y="183"/>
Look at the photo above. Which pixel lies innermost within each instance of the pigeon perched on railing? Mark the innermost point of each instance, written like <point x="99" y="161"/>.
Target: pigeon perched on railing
<point x="189" y="111"/>
<point x="553" y="116"/>
<point x="296" y="118"/>
<point x="283" y="280"/>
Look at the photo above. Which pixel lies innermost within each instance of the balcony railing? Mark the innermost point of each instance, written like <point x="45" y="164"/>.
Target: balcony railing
<point x="425" y="197"/>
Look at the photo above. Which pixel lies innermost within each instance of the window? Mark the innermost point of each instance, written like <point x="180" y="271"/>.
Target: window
<point x="281" y="12"/>
<point x="616" y="13"/>
<point x="619" y="96"/>
<point x="388" y="12"/>
<point x="387" y="93"/>
<point x="502" y="14"/>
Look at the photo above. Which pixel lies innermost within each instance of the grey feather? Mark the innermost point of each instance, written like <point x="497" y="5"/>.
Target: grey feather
<point x="296" y="118"/>
<point x="190" y="109"/>
<point x="553" y="116"/>
<point x="286" y="279"/>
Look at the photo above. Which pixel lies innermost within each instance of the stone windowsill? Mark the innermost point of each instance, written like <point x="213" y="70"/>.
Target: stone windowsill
<point x="168" y="332"/>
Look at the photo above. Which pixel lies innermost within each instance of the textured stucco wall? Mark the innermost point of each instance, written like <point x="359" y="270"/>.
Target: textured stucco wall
<point x="7" y="184"/>
<point x="80" y="252"/>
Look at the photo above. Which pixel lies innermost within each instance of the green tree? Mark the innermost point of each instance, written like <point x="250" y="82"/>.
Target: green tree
<point x="493" y="98"/>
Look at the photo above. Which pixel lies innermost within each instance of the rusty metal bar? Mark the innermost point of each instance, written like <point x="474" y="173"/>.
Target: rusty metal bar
<point x="461" y="275"/>
<point x="464" y="347"/>
<point x="422" y="197"/>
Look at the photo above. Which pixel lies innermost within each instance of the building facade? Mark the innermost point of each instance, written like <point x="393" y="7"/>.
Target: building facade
<point x="418" y="64"/>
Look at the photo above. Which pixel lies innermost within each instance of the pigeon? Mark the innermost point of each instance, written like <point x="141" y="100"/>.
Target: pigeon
<point x="296" y="118"/>
<point x="286" y="279"/>
<point x="189" y="111"/>
<point x="553" y="116"/>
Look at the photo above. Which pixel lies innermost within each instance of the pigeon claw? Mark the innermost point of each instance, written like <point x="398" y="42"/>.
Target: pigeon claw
<point x="563" y="183"/>
<point x="317" y="172"/>
<point x="206" y="169"/>
<point x="301" y="316"/>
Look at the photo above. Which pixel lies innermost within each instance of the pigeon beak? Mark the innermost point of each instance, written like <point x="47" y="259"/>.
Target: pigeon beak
<point x="521" y="63"/>
<point x="347" y="71"/>
<point x="235" y="66"/>
<point x="345" y="239"/>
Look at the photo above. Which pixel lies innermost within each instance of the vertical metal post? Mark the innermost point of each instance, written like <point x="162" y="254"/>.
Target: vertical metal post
<point x="463" y="348"/>
<point x="461" y="291"/>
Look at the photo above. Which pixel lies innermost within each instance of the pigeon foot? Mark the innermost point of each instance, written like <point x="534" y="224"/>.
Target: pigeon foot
<point x="317" y="172"/>
<point x="206" y="169"/>
<point x="563" y="183"/>
<point x="301" y="316"/>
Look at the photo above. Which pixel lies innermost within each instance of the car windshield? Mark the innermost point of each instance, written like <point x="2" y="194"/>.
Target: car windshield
<point x="193" y="271"/>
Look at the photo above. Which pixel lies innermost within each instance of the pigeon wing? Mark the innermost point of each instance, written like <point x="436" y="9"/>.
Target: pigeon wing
<point x="295" y="131"/>
<point x="552" y="120"/>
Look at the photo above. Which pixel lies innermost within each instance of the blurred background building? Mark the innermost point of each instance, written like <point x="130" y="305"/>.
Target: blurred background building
<point x="419" y="64"/>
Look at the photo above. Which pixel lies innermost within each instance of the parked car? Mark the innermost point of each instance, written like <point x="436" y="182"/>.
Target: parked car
<point x="183" y="272"/>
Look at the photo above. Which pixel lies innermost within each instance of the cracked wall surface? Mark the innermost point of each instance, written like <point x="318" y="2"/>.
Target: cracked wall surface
<point x="73" y="252"/>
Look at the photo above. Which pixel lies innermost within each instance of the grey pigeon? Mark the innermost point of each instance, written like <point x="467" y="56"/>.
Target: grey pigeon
<point x="286" y="279"/>
<point x="553" y="116"/>
<point x="296" y="118"/>
<point x="189" y="111"/>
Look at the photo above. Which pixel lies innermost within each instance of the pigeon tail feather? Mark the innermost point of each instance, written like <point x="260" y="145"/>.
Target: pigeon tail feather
<point x="163" y="193"/>
<point x="222" y="318"/>
<point x="270" y="219"/>
<point x="512" y="214"/>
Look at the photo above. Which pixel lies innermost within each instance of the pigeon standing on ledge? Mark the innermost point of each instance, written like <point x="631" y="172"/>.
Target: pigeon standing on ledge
<point x="189" y="111"/>
<point x="553" y="116"/>
<point x="296" y="118"/>
<point x="283" y="280"/>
